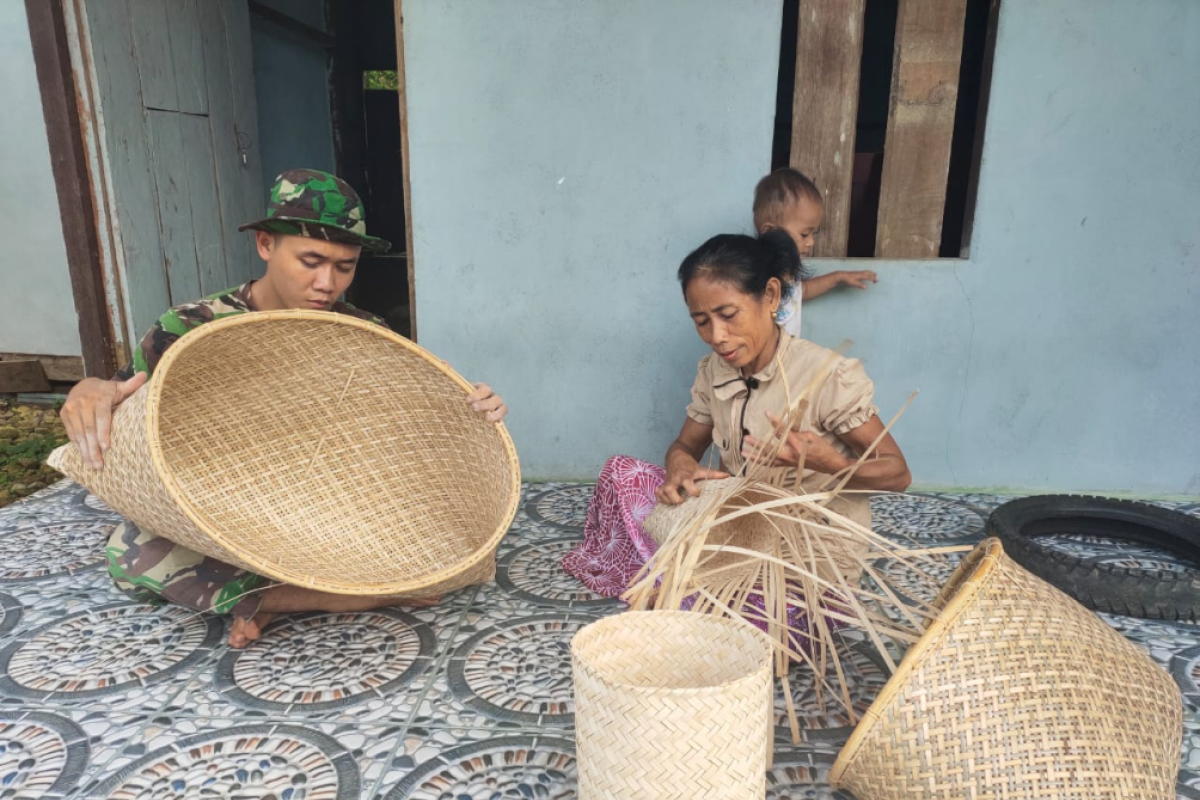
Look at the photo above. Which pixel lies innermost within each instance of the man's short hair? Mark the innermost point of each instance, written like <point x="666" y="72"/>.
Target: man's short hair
<point x="778" y="191"/>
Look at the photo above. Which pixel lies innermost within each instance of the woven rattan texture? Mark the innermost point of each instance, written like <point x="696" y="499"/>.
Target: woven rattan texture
<point x="1016" y="691"/>
<point x="327" y="452"/>
<point x="671" y="705"/>
<point x="129" y="482"/>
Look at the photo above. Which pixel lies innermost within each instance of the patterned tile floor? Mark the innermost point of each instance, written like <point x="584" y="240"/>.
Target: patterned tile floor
<point x="102" y="697"/>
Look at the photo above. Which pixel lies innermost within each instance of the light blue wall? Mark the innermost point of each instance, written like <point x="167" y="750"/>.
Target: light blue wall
<point x="291" y="80"/>
<point x="37" y="312"/>
<point x="566" y="157"/>
<point x="1065" y="353"/>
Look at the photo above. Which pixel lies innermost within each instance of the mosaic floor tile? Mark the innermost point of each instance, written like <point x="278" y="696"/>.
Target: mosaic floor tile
<point x="468" y="699"/>
<point x="802" y="776"/>
<point x="79" y="545"/>
<point x="41" y="754"/>
<point x="820" y="706"/>
<point x="124" y="655"/>
<point x="74" y="744"/>
<point x="985" y="504"/>
<point x="528" y="766"/>
<point x="565" y="507"/>
<point x="10" y="613"/>
<point x="460" y="764"/>
<point x="212" y="757"/>
<point x="924" y="518"/>
<point x="506" y="672"/>
<point x="532" y="573"/>
<point x="342" y="667"/>
<point x="50" y="600"/>
<point x="64" y="500"/>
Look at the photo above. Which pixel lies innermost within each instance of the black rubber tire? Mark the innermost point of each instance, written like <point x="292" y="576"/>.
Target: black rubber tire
<point x="1110" y="587"/>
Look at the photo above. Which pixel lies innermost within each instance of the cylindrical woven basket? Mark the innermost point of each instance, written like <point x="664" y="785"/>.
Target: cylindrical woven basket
<point x="1015" y="692"/>
<point x="316" y="449"/>
<point x="671" y="704"/>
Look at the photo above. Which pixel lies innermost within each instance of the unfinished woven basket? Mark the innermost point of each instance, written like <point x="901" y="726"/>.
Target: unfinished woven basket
<point x="1014" y="692"/>
<point x="755" y="532"/>
<point x="314" y="448"/>
<point x="671" y="704"/>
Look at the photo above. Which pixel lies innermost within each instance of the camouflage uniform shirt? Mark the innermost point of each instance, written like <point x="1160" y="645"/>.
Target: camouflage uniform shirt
<point x="179" y="320"/>
<point x="150" y="568"/>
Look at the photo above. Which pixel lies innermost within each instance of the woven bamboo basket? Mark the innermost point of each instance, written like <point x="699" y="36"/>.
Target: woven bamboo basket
<point x="1014" y="692"/>
<point x="671" y="704"/>
<point x="316" y="449"/>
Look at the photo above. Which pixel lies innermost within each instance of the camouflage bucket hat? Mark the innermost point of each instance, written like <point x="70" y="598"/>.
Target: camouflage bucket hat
<point x="318" y="205"/>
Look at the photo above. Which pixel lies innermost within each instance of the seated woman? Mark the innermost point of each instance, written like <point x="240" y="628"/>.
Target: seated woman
<point x="732" y="285"/>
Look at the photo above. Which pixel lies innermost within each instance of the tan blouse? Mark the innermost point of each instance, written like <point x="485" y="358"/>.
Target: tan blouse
<point x="843" y="401"/>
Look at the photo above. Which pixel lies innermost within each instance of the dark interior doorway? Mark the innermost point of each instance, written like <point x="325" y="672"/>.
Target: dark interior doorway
<point x="366" y="130"/>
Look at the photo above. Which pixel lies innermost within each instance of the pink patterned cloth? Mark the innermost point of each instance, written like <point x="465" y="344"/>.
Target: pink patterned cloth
<point x="615" y="546"/>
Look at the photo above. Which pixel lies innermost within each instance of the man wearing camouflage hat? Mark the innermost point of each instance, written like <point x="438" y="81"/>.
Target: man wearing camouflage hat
<point x="310" y="241"/>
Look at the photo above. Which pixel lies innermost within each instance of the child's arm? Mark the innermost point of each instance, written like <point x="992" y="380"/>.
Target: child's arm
<point x="820" y="284"/>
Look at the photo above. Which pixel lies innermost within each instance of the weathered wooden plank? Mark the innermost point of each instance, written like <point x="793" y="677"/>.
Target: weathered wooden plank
<point x="22" y="376"/>
<point x="61" y="369"/>
<point x="199" y="166"/>
<point x="135" y="218"/>
<point x="69" y="164"/>
<point x="231" y="195"/>
<point x="174" y="205"/>
<point x="408" y="216"/>
<point x="148" y="23"/>
<point x="825" y="109"/>
<point x="920" y="128"/>
<point x="245" y="116"/>
<point x="187" y="55"/>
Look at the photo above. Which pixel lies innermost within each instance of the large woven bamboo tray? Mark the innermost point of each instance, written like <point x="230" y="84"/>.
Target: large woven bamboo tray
<point x="316" y="449"/>
<point x="1016" y="692"/>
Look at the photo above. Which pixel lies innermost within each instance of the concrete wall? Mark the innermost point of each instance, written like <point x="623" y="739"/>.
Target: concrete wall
<point x="37" y="312"/>
<point x="294" y="126"/>
<point x="565" y="158"/>
<point x="1064" y="354"/>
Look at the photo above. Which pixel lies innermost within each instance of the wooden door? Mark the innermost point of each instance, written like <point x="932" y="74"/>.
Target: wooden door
<point x="176" y="129"/>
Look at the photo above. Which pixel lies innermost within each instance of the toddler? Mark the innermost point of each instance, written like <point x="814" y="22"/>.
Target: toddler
<point x="788" y="200"/>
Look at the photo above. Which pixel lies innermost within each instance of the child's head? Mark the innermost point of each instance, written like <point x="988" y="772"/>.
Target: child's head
<point x="786" y="199"/>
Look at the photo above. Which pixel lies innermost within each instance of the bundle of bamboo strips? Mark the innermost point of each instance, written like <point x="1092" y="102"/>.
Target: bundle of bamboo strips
<point x="761" y="547"/>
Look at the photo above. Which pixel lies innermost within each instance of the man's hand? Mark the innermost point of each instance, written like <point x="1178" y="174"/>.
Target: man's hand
<point x="485" y="401"/>
<point x="87" y="414"/>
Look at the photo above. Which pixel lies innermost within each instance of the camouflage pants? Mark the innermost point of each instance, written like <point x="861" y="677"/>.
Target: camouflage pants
<point x="152" y="569"/>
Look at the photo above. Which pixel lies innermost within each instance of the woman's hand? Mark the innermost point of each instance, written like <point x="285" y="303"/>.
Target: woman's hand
<point x="683" y="464"/>
<point x="819" y="455"/>
<point x="681" y="483"/>
<point x="487" y="402"/>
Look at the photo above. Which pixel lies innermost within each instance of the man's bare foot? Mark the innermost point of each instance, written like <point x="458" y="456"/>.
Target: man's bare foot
<point x="244" y="631"/>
